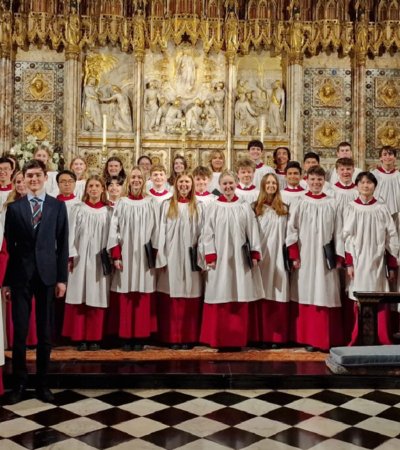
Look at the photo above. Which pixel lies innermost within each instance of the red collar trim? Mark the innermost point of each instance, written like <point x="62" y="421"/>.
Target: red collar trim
<point x="158" y="194"/>
<point x="280" y="172"/>
<point x="360" y="202"/>
<point x="315" y="196"/>
<point x="223" y="199"/>
<point x="342" y="186"/>
<point x="97" y="205"/>
<point x="132" y="197"/>
<point x="259" y="165"/>
<point x="8" y="187"/>
<point x="204" y="194"/>
<point x="248" y="188"/>
<point x="382" y="170"/>
<point x="183" y="200"/>
<point x="65" y="198"/>
<point x="295" y="189"/>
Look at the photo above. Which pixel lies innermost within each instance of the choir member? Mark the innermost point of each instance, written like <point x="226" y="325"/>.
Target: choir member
<point x="269" y="317"/>
<point x="179" y="284"/>
<point x="115" y="190"/>
<point x="281" y="158"/>
<point x="66" y="181"/>
<point x="372" y="246"/>
<point x="245" y="188"/>
<point x="88" y="287"/>
<point x="114" y="168"/>
<point x="231" y="245"/>
<point x="314" y="292"/>
<point x="78" y="166"/>
<point x="343" y="151"/>
<point x="44" y="154"/>
<point x="216" y="163"/>
<point x="202" y="178"/>
<point x="134" y="227"/>
<point x="145" y="163"/>
<point x="388" y="189"/>
<point x="158" y="179"/>
<point x="178" y="166"/>
<point x="255" y="151"/>
<point x="6" y="170"/>
<point x="344" y="190"/>
<point x="293" y="191"/>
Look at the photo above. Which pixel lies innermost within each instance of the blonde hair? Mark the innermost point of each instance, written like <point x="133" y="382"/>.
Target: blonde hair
<point x="84" y="175"/>
<point x="128" y="182"/>
<point x="13" y="195"/>
<point x="273" y="200"/>
<point x="173" y="211"/>
<point x="245" y="163"/>
<point x="49" y="153"/>
<point x="228" y="173"/>
<point x="213" y="155"/>
<point x="103" y="197"/>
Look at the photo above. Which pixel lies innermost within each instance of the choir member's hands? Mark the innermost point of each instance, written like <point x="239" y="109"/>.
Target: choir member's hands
<point x="6" y="293"/>
<point x="118" y="264"/>
<point x="212" y="265"/>
<point x="60" y="289"/>
<point x="71" y="265"/>
<point x="350" y="272"/>
<point x="255" y="262"/>
<point x="392" y="275"/>
<point x="296" y="264"/>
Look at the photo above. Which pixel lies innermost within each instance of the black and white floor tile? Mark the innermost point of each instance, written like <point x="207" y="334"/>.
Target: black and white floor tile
<point x="205" y="420"/>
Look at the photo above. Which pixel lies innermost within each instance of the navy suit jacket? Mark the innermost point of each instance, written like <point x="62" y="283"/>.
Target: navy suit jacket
<point x="44" y="249"/>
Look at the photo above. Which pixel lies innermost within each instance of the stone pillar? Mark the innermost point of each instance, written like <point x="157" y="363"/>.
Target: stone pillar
<point x="6" y="82"/>
<point x="72" y="103"/>
<point x="359" y="110"/>
<point x="6" y="102"/>
<point x="230" y="106"/>
<point x="139" y="102"/>
<point x="294" y="88"/>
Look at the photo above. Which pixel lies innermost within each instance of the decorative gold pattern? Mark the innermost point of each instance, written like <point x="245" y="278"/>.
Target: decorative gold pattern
<point x="327" y="133"/>
<point x="38" y="86"/>
<point x="39" y="125"/>
<point x="387" y="132"/>
<point x="328" y="92"/>
<point x="387" y="92"/>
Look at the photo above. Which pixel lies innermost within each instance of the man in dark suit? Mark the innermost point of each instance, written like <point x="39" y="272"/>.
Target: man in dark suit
<point x="36" y="233"/>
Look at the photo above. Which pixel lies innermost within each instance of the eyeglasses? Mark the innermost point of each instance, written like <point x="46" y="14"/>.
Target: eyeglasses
<point x="67" y="182"/>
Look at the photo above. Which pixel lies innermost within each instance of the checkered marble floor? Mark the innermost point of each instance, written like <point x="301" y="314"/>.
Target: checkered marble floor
<point x="205" y="420"/>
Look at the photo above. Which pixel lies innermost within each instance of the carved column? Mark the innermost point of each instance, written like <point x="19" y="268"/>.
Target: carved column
<point x="295" y="87"/>
<point x="230" y="104"/>
<point x="358" y="91"/>
<point x="139" y="102"/>
<point x="72" y="102"/>
<point x="6" y="83"/>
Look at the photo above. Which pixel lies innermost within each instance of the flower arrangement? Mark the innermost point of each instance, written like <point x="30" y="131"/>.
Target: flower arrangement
<point x="24" y="151"/>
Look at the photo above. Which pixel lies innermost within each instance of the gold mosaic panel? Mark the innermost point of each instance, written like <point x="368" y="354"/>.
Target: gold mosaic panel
<point x="40" y="125"/>
<point x="387" y="92"/>
<point x="328" y="92"/>
<point x="38" y="85"/>
<point x="326" y="132"/>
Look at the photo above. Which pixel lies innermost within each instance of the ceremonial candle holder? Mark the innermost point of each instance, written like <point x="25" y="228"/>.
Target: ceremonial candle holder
<point x="104" y="154"/>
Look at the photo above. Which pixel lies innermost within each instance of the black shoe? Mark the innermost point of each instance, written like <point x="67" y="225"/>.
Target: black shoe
<point x="175" y="347"/>
<point x="186" y="346"/>
<point x="45" y="395"/>
<point x="126" y="348"/>
<point x="14" y="396"/>
<point x="82" y="347"/>
<point x="138" y="347"/>
<point x="93" y="346"/>
<point x="311" y="349"/>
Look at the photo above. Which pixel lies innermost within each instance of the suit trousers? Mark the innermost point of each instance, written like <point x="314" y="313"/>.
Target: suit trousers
<point x="21" y="309"/>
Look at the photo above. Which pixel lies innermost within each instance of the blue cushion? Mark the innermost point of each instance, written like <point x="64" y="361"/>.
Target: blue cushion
<point x="373" y="355"/>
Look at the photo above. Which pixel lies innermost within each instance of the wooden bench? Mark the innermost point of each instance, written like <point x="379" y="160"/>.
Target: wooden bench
<point x="367" y="315"/>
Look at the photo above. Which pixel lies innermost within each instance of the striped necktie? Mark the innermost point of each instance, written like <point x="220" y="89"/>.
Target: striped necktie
<point x="36" y="211"/>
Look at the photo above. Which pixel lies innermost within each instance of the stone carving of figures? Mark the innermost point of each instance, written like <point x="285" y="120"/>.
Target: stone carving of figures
<point x="245" y="117"/>
<point x="219" y="102"/>
<point x="193" y="117"/>
<point x="232" y="27"/>
<point x="211" y="119"/>
<point x="361" y="32"/>
<point x="173" y="118"/>
<point x="150" y="105"/>
<point x="72" y="29"/>
<point x="122" y="117"/>
<point x="276" y="109"/>
<point x="185" y="71"/>
<point x="91" y="120"/>
<point x="161" y="113"/>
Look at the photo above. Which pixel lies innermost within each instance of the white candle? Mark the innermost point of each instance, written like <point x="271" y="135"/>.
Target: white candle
<point x="262" y="127"/>
<point x="104" y="129"/>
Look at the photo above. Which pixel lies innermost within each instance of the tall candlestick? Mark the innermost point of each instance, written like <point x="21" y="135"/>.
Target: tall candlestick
<point x="104" y="129"/>
<point x="262" y="127"/>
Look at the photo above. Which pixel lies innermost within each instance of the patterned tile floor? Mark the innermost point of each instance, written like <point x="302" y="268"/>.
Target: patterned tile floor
<point x="336" y="419"/>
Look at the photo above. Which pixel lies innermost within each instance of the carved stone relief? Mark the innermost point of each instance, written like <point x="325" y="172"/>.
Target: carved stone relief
<point x="40" y="125"/>
<point x="387" y="132"/>
<point x="38" y="85"/>
<point x="328" y="92"/>
<point x="387" y="92"/>
<point x="327" y="132"/>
